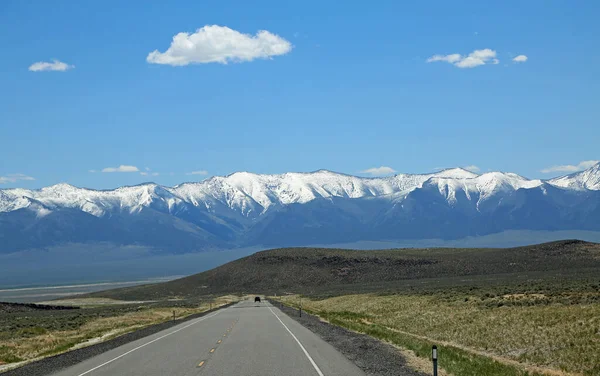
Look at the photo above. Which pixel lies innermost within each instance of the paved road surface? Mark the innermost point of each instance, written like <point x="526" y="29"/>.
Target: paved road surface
<point x="246" y="339"/>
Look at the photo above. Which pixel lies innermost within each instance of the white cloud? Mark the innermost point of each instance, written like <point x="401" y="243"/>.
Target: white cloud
<point x="149" y="173"/>
<point x="121" y="168"/>
<point x="199" y="172"/>
<point x="13" y="178"/>
<point x="92" y="171"/>
<point x="383" y="170"/>
<point x="583" y="165"/>
<point x="220" y="44"/>
<point x="472" y="168"/>
<point x="55" y="65"/>
<point x="472" y="60"/>
<point x="148" y="169"/>
<point x="520" y="59"/>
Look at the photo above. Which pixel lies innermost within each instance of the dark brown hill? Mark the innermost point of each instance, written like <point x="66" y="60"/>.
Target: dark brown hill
<point x="318" y="269"/>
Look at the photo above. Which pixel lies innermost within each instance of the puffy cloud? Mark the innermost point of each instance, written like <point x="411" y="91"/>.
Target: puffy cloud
<point x="583" y="165"/>
<point x="121" y="168"/>
<point x="220" y="44"/>
<point x="376" y="171"/>
<point x="13" y="178"/>
<point x="520" y="59"/>
<point x="472" y="60"/>
<point x="199" y="172"/>
<point x="472" y="168"/>
<point x="55" y="65"/>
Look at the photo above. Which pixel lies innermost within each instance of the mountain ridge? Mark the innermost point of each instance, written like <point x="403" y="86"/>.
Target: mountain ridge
<point x="244" y="209"/>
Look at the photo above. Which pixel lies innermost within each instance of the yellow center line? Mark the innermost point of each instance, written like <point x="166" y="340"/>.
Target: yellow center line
<point x="212" y="350"/>
<point x="201" y="364"/>
<point x="219" y="341"/>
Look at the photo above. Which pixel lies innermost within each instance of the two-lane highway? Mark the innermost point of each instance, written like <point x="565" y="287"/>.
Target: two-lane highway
<point x="248" y="338"/>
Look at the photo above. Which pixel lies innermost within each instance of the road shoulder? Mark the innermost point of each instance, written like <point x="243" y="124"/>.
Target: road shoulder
<point x="372" y="356"/>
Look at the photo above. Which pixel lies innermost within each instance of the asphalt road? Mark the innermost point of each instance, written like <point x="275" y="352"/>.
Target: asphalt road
<point x="253" y="339"/>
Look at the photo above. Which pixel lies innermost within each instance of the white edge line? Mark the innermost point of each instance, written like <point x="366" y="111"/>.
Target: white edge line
<point x="147" y="343"/>
<point x="299" y="343"/>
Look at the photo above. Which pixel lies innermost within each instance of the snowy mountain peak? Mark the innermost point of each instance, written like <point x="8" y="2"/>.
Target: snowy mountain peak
<point x="587" y="179"/>
<point x="252" y="195"/>
<point x="294" y="208"/>
<point x="456" y="173"/>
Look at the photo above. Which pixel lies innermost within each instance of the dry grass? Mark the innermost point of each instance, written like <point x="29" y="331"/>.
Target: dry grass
<point x="35" y="342"/>
<point x="543" y="338"/>
<point x="90" y="302"/>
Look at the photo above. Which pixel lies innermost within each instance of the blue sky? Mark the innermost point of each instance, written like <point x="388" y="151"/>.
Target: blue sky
<point x="345" y="88"/>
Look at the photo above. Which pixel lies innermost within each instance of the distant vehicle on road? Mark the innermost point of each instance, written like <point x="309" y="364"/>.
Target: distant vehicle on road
<point x="257" y="299"/>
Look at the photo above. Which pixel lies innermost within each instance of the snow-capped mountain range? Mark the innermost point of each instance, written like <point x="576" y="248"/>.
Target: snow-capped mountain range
<point x="298" y="208"/>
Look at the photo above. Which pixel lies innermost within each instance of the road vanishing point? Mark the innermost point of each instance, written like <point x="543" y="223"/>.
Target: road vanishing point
<point x="245" y="339"/>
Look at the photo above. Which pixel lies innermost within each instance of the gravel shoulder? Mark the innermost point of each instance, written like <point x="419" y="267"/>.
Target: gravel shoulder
<point x="55" y="363"/>
<point x="374" y="357"/>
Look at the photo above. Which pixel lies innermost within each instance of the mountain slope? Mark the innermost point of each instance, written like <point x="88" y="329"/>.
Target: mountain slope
<point x="296" y="209"/>
<point x="588" y="179"/>
<point x="317" y="269"/>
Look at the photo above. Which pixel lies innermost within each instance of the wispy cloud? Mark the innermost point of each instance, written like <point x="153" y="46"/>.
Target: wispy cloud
<point x="472" y="60"/>
<point x="92" y="171"/>
<point x="121" y="168"/>
<point x="144" y="173"/>
<point x="199" y="172"/>
<point x="13" y="178"/>
<point x="472" y="168"/>
<point x="520" y="59"/>
<point x="55" y="65"/>
<point x="583" y="165"/>
<point x="376" y="171"/>
<point x="220" y="44"/>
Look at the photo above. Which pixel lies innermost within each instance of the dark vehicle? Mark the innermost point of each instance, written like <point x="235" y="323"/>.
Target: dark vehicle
<point x="257" y="299"/>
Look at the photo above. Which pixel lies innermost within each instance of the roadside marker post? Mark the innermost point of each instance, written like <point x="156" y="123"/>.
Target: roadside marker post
<point x="300" y="307"/>
<point x="173" y="315"/>
<point x="434" y="357"/>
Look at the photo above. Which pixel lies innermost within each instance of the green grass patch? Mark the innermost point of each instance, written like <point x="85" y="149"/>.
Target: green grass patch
<point x="451" y="359"/>
<point x="32" y="331"/>
<point x="59" y="348"/>
<point x="6" y="355"/>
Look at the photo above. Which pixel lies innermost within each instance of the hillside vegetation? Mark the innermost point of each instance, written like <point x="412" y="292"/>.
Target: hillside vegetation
<point x="331" y="271"/>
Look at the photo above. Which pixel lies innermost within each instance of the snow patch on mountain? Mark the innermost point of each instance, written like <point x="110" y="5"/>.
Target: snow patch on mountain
<point x="483" y="187"/>
<point x="588" y="179"/>
<point x="252" y="195"/>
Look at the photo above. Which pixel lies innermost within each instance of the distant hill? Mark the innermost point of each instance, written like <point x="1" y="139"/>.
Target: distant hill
<point x="307" y="269"/>
<point x="292" y="209"/>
